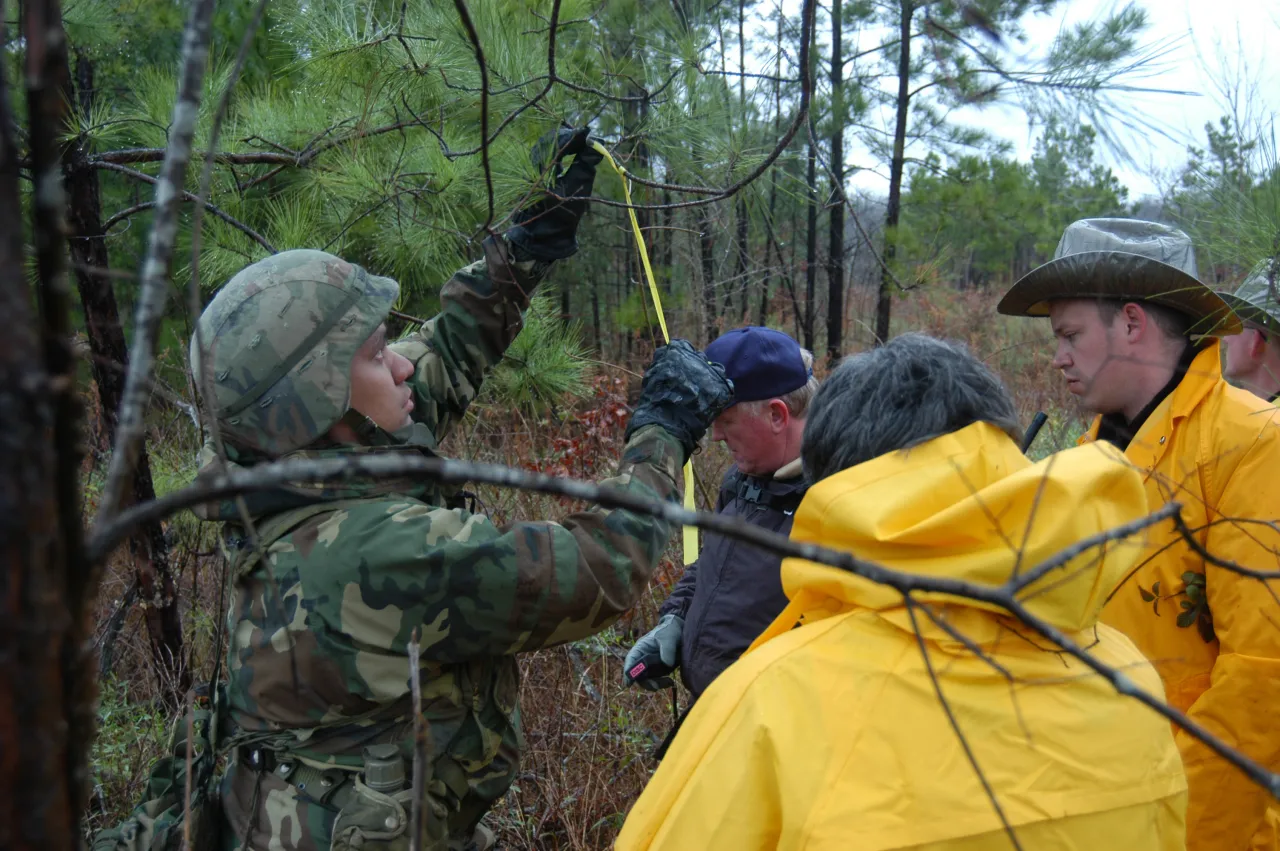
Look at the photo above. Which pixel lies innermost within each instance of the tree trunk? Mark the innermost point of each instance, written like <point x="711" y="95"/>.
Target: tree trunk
<point x="148" y="550"/>
<point x="835" y="250"/>
<point x="811" y="246"/>
<point x="668" y="235"/>
<point x="740" y="243"/>
<point x="740" y="207"/>
<point x="773" y="172"/>
<point x="595" y="314"/>
<point x="892" y="209"/>
<point x="46" y="699"/>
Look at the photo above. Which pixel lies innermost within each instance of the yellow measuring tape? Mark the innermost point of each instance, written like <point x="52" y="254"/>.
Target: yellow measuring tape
<point x="690" y="532"/>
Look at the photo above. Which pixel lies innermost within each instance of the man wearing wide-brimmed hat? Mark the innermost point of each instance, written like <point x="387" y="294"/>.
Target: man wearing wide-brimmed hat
<point x="1136" y="341"/>
<point x="1252" y="358"/>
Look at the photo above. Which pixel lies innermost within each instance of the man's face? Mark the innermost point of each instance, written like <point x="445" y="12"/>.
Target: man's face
<point x="1239" y="360"/>
<point x="378" y="388"/>
<point x="752" y="438"/>
<point x="1091" y="354"/>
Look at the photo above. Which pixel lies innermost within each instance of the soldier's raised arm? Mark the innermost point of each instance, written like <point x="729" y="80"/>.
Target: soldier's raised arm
<point x="482" y="306"/>
<point x="481" y="590"/>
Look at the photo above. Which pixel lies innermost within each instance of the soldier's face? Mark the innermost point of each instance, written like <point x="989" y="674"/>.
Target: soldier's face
<point x="378" y="388"/>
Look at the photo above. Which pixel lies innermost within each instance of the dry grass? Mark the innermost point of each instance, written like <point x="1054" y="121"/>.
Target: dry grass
<point x="589" y="741"/>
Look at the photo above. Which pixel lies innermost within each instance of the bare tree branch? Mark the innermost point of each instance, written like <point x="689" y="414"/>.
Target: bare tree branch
<point x="186" y="196"/>
<point x="470" y="27"/>
<point x="714" y="195"/>
<point x="955" y="722"/>
<point x="293" y="473"/>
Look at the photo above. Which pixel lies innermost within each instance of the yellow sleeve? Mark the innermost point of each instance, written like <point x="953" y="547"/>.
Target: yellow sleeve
<point x="717" y="787"/>
<point x="1225" y="807"/>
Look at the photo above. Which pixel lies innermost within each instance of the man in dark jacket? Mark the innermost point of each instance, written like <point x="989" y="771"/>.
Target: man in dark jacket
<point x="733" y="591"/>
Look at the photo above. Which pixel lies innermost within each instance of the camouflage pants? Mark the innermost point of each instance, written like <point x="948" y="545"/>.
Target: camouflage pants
<point x="265" y="812"/>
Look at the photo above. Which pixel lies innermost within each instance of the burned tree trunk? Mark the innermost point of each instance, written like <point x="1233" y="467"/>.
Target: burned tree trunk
<point x="884" y="299"/>
<point x="835" y="248"/>
<point x="811" y="245"/>
<point x="46" y="690"/>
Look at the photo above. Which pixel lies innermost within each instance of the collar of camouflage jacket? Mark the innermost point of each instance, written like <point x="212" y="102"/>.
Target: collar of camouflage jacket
<point x="297" y="494"/>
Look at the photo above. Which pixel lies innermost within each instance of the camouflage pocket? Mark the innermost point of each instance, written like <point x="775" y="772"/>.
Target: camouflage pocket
<point x="376" y="821"/>
<point x="506" y="686"/>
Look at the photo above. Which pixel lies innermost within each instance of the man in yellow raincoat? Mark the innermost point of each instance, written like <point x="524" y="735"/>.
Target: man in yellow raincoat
<point x="1136" y="341"/>
<point x="1251" y="359"/>
<point x="830" y="733"/>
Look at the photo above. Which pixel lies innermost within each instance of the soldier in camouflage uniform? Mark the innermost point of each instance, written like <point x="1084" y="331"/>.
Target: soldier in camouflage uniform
<point x="330" y="582"/>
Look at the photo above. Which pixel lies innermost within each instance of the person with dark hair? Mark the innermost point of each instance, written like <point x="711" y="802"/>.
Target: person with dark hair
<point x="855" y="720"/>
<point x="733" y="591"/>
<point x="1136" y="342"/>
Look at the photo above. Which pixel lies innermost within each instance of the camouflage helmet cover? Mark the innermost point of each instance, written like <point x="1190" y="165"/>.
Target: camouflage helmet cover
<point x="1255" y="300"/>
<point x="278" y="342"/>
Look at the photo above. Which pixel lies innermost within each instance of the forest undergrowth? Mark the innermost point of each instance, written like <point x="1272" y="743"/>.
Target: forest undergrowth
<point x="589" y="741"/>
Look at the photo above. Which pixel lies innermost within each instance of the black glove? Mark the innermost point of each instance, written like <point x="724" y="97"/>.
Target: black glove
<point x="548" y="228"/>
<point x="683" y="393"/>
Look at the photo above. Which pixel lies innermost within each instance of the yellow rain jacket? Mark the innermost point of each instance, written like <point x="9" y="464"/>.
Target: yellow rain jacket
<point x="830" y="736"/>
<point x="1213" y="635"/>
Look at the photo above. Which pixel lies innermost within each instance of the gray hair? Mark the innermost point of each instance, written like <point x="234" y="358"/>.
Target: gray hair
<point x="910" y="390"/>
<point x="798" y="400"/>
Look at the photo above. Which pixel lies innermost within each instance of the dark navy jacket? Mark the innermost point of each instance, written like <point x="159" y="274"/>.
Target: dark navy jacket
<point x="734" y="590"/>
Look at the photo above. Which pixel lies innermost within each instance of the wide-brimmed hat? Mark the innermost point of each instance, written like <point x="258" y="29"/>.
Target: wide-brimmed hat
<point x="1255" y="300"/>
<point x="1126" y="260"/>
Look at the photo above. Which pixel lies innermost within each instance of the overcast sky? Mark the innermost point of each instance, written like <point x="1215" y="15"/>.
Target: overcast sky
<point x="1210" y="38"/>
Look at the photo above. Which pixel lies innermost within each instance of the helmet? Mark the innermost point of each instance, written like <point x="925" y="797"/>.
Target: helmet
<point x="278" y="342"/>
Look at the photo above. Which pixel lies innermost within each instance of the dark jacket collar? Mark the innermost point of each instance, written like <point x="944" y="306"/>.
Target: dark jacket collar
<point x="1120" y="431"/>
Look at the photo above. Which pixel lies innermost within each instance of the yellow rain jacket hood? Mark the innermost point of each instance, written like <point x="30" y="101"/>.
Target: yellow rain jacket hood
<point x="829" y="734"/>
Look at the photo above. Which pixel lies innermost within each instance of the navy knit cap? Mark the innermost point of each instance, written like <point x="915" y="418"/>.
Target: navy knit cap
<point x="761" y="363"/>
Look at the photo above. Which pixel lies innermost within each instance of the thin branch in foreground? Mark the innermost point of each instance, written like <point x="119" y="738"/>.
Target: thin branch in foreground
<point x="235" y="482"/>
<point x="159" y="258"/>
<point x="973" y="647"/>
<point x="206" y="177"/>
<point x="911" y="605"/>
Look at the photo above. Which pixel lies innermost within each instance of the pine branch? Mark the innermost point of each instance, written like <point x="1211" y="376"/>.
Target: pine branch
<point x="136" y="156"/>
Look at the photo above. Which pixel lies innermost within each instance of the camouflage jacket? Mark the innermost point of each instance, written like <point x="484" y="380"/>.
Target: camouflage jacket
<point x="318" y="635"/>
